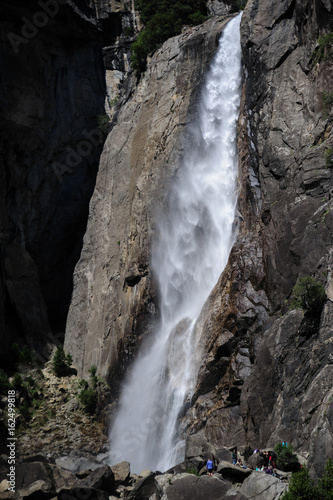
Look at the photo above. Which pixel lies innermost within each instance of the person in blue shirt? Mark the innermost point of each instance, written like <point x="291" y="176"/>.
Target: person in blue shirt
<point x="210" y="467"/>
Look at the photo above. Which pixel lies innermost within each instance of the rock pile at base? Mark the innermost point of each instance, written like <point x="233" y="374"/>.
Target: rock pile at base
<point x="37" y="479"/>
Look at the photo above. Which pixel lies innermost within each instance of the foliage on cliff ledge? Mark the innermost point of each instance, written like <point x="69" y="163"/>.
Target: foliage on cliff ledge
<point x="89" y="391"/>
<point x="309" y="295"/>
<point x="302" y="487"/>
<point x="163" y="19"/>
<point x="324" y="50"/>
<point x="286" y="458"/>
<point x="61" y="362"/>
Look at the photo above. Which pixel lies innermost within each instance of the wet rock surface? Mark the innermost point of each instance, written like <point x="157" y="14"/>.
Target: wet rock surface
<point x="263" y="361"/>
<point x="114" y="298"/>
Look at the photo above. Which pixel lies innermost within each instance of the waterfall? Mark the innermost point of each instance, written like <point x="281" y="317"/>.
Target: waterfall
<point x="195" y="238"/>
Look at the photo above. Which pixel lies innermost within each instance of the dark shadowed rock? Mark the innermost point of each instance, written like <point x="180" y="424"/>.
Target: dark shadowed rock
<point x="44" y="117"/>
<point x="101" y="479"/>
<point x="34" y="480"/>
<point x="145" y="488"/>
<point x="233" y="473"/>
<point x="82" y="493"/>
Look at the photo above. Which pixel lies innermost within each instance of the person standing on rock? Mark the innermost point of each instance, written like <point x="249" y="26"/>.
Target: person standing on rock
<point x="210" y="467"/>
<point x="234" y="457"/>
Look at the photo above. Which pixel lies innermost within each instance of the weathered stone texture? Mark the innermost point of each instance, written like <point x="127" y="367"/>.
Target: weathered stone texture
<point x="114" y="299"/>
<point x="261" y="366"/>
<point x="52" y="88"/>
<point x="291" y="132"/>
<point x="258" y="354"/>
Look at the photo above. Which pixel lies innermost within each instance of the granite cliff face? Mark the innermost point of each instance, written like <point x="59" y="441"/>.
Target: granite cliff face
<point x="114" y="292"/>
<point x="276" y="370"/>
<point x="266" y="375"/>
<point x="52" y="88"/>
<point x="288" y="394"/>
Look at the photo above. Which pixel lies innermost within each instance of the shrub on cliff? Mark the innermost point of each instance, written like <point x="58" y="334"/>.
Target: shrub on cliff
<point x="22" y="355"/>
<point x="4" y="382"/>
<point x="87" y="397"/>
<point x="103" y="123"/>
<point x="309" y="295"/>
<point x="286" y="458"/>
<point x="324" y="50"/>
<point x="302" y="487"/>
<point x="61" y="363"/>
<point x="329" y="157"/>
<point x="325" y="485"/>
<point x="88" y="391"/>
<point x="163" y="19"/>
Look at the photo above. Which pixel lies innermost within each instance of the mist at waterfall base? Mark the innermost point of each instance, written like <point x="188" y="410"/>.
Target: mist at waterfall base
<point x="195" y="238"/>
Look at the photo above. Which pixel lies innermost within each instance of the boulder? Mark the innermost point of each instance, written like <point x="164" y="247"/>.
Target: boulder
<point x="255" y="461"/>
<point x="34" y="480"/>
<point x="223" y="454"/>
<point x="82" y="493"/>
<point x="38" y="458"/>
<point x="198" y="446"/>
<point x="260" y="485"/>
<point x="62" y="478"/>
<point x="75" y="463"/>
<point x="101" y="479"/>
<point x="190" y="487"/>
<point x="144" y="488"/>
<point x="4" y="485"/>
<point x="233" y="473"/>
<point x="196" y="463"/>
<point x="121" y="472"/>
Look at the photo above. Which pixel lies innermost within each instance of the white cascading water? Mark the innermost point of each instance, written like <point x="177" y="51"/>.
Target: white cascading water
<point x="196" y="235"/>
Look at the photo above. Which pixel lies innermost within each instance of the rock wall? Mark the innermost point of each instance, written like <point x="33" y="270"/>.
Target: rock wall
<point x="52" y="88"/>
<point x="114" y="299"/>
<point x="281" y="399"/>
<point x="267" y="374"/>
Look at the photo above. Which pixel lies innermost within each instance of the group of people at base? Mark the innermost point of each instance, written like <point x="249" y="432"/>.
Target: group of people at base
<point x="268" y="467"/>
<point x="270" y="459"/>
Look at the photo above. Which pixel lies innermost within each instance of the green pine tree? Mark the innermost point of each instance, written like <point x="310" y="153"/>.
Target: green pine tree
<point x="61" y="362"/>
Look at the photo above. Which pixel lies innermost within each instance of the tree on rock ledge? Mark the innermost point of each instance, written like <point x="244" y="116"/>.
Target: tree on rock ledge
<point x="62" y="362"/>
